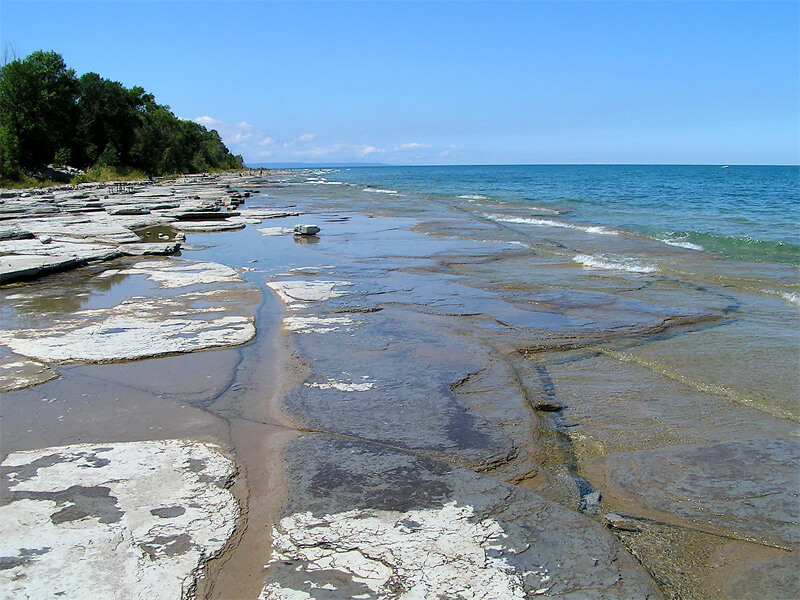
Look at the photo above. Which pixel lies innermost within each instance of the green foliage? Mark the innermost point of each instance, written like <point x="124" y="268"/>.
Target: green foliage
<point x="38" y="107"/>
<point x="62" y="158"/>
<point x="109" y="157"/>
<point x="47" y="114"/>
<point x="9" y="154"/>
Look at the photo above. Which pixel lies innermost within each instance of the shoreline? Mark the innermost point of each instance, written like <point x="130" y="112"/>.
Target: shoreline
<point x="373" y="379"/>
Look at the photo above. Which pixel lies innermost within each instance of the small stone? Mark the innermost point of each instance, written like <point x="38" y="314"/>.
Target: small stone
<point x="306" y="230"/>
<point x="615" y="521"/>
<point x="548" y="406"/>
<point x="590" y="503"/>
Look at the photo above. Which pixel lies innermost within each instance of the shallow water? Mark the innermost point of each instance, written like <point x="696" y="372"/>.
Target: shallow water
<point x="649" y="346"/>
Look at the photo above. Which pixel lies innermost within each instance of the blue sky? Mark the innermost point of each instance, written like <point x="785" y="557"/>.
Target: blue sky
<point x="450" y="82"/>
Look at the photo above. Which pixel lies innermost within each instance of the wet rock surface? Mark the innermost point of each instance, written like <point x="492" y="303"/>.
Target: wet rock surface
<point x="132" y="520"/>
<point x="745" y="488"/>
<point x="210" y="307"/>
<point x="369" y="521"/>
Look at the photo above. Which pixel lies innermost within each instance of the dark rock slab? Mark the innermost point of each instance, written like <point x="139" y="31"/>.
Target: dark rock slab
<point x="367" y="519"/>
<point x="744" y="488"/>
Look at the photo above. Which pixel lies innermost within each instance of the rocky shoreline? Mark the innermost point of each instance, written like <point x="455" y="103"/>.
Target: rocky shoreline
<point x="360" y="414"/>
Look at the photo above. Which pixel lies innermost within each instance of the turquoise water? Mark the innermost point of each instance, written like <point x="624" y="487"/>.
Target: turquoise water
<point x="743" y="212"/>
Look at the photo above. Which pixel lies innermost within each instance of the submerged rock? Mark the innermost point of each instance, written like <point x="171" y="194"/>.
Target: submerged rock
<point x="118" y="521"/>
<point x="742" y="487"/>
<point x="615" y="521"/>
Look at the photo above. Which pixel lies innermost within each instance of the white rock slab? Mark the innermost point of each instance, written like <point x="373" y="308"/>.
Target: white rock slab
<point x="432" y="551"/>
<point x="270" y="231"/>
<point x="171" y="275"/>
<point x="133" y="520"/>
<point x="300" y="290"/>
<point x="298" y="324"/>
<point x="131" y="330"/>
<point x="219" y="315"/>
<point x="206" y="226"/>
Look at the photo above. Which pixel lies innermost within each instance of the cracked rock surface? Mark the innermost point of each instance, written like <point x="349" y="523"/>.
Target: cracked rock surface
<point x="124" y="520"/>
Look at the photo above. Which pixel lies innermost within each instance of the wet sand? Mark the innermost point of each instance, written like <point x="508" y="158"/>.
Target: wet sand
<point x="391" y="388"/>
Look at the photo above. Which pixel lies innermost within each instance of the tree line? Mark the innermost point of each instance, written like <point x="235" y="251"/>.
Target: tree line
<point x="49" y="115"/>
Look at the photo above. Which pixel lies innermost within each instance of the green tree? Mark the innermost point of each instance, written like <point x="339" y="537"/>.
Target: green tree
<point x="47" y="114"/>
<point x="108" y="113"/>
<point x="37" y="110"/>
<point x="109" y="156"/>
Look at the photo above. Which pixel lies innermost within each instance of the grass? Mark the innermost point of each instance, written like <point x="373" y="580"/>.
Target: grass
<point x="28" y="182"/>
<point x="98" y="174"/>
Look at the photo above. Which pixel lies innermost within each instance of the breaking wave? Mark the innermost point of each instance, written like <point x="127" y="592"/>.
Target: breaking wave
<point x="617" y="263"/>
<point x="596" y="229"/>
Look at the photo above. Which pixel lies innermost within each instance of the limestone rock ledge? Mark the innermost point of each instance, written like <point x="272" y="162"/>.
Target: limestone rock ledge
<point x="367" y="521"/>
<point x="117" y="521"/>
<point x="211" y="307"/>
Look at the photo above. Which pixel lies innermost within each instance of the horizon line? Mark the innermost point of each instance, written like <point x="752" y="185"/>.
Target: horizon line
<point x="348" y="164"/>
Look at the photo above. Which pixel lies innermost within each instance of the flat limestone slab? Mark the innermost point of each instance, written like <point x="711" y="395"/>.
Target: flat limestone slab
<point x="213" y="307"/>
<point x="206" y="226"/>
<point x="747" y="488"/>
<point x="367" y="521"/>
<point x="27" y="266"/>
<point x="117" y="521"/>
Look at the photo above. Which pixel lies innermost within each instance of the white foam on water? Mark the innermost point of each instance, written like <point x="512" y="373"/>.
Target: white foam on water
<point x="324" y="182"/>
<point x="474" y="197"/>
<point x="596" y="229"/>
<point x="617" y="263"/>
<point x="791" y="297"/>
<point x="343" y="386"/>
<point x="380" y="191"/>
<point x="681" y="244"/>
<point x="543" y="209"/>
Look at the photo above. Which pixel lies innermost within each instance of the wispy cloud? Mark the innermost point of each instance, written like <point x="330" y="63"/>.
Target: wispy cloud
<point x="257" y="145"/>
<point x="412" y="146"/>
<point x="207" y="121"/>
<point x="303" y="139"/>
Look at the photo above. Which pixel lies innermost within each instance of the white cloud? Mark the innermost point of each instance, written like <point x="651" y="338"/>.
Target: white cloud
<point x="257" y="145"/>
<point x="412" y="146"/>
<point x="207" y="121"/>
<point x="303" y="139"/>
